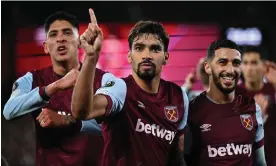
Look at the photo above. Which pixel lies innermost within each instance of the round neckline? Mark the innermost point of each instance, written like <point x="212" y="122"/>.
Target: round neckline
<point x="60" y="76"/>
<point x="213" y="102"/>
<point x="143" y="91"/>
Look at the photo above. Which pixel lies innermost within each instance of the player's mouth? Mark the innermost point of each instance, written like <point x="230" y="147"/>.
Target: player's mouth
<point x="228" y="80"/>
<point x="62" y="50"/>
<point x="147" y="66"/>
<point x="250" y="75"/>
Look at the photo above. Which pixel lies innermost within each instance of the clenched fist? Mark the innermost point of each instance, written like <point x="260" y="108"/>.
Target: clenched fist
<point x="50" y="118"/>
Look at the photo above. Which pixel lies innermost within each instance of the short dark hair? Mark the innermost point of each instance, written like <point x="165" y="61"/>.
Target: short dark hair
<point x="61" y="15"/>
<point x="247" y="49"/>
<point x="149" y="27"/>
<point x="254" y="49"/>
<point x="224" y="43"/>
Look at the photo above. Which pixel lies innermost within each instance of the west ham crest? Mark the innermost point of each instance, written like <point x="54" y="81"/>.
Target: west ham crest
<point x="247" y="121"/>
<point x="171" y="113"/>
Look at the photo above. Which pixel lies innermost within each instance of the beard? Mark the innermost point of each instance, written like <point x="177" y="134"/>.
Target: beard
<point x="218" y="83"/>
<point x="146" y="75"/>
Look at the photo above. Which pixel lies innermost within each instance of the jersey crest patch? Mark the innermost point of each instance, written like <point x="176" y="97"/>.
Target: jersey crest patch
<point x="247" y="121"/>
<point x="171" y="113"/>
<point x="109" y="84"/>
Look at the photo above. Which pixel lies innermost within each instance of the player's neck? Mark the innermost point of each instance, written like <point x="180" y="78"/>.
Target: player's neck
<point x="205" y="87"/>
<point x="254" y="86"/>
<point x="148" y="86"/>
<point x="62" y="68"/>
<point x="219" y="97"/>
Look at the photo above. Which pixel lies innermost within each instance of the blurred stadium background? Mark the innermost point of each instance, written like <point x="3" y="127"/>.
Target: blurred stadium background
<point x="191" y="25"/>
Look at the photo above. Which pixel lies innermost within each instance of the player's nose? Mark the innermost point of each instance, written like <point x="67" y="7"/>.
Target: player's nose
<point x="60" y="38"/>
<point x="230" y="69"/>
<point x="146" y="54"/>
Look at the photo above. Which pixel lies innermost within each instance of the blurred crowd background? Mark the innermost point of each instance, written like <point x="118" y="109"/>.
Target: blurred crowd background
<point x="192" y="27"/>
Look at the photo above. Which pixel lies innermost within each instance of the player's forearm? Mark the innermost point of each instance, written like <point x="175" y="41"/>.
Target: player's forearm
<point x="24" y="99"/>
<point x="82" y="98"/>
<point x="51" y="88"/>
<point x="68" y="120"/>
<point x="22" y="104"/>
<point x="68" y="124"/>
<point x="30" y="101"/>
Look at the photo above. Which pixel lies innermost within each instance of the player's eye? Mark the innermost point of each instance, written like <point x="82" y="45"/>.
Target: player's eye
<point x="254" y="62"/>
<point x="237" y="63"/>
<point x="222" y="62"/>
<point x="53" y="34"/>
<point x="156" y="49"/>
<point x="68" y="32"/>
<point x="138" y="48"/>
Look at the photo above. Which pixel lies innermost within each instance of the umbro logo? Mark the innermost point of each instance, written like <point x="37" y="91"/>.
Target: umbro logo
<point x="140" y="104"/>
<point x="205" y="127"/>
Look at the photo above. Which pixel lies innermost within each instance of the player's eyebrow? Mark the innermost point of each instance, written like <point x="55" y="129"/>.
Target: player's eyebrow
<point x="139" y="44"/>
<point x="150" y="45"/>
<point x="237" y="61"/>
<point x="158" y="46"/>
<point x="222" y="59"/>
<point x="67" y="29"/>
<point x="55" y="30"/>
<point x="52" y="31"/>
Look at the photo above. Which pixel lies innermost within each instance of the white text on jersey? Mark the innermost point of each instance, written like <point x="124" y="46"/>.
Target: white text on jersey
<point x="155" y="130"/>
<point x="229" y="150"/>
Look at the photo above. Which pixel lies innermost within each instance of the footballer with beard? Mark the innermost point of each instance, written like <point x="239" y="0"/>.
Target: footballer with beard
<point x="226" y="128"/>
<point x="144" y="117"/>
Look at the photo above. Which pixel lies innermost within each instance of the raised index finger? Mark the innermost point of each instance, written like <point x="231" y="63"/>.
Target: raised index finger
<point x="92" y="17"/>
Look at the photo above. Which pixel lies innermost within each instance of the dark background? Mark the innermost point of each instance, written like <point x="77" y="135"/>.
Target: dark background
<point x="20" y="132"/>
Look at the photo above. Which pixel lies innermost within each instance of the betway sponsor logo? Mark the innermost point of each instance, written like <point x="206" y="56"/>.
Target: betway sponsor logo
<point x="155" y="130"/>
<point x="229" y="150"/>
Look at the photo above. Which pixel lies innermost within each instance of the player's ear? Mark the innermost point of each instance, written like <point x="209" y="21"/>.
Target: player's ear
<point x="129" y="56"/>
<point x="167" y="55"/>
<point x="45" y="47"/>
<point x="207" y="67"/>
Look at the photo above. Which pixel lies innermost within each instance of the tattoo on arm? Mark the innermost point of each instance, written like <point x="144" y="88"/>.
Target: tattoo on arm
<point x="69" y="119"/>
